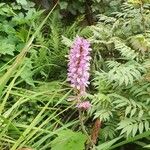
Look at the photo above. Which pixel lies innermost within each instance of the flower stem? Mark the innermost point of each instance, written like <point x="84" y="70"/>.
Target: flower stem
<point x="84" y="130"/>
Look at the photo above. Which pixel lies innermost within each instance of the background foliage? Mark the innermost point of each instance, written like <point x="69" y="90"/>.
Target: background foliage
<point x="34" y="107"/>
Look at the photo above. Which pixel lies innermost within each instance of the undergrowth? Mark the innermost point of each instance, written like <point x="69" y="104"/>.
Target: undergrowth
<point x="35" y="111"/>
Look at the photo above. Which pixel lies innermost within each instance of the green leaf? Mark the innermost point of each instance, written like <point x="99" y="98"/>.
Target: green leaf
<point x="147" y="146"/>
<point x="133" y="112"/>
<point x="69" y="140"/>
<point x="141" y="127"/>
<point x="66" y="41"/>
<point x="22" y="2"/>
<point x="129" y="129"/>
<point x="141" y="112"/>
<point x="107" y="145"/>
<point x="146" y="125"/>
<point x="135" y="128"/>
<point x="128" y="109"/>
<point x="103" y="114"/>
<point x="132" y="139"/>
<point x="63" y="5"/>
<point x="6" y="47"/>
<point x="26" y="74"/>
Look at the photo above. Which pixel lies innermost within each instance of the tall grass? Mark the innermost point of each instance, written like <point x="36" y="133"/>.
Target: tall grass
<point x="43" y="122"/>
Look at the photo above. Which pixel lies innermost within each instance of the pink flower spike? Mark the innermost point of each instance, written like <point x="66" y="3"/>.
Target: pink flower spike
<point x="84" y="105"/>
<point x="79" y="65"/>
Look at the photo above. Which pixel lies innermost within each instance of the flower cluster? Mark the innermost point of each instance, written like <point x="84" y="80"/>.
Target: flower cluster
<point x="79" y="65"/>
<point x="84" y="105"/>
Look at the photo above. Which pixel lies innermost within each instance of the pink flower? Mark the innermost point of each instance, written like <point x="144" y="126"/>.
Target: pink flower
<point x="84" y="105"/>
<point x="79" y="64"/>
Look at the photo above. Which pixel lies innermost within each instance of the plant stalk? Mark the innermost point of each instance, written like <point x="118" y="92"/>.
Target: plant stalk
<point x="84" y="130"/>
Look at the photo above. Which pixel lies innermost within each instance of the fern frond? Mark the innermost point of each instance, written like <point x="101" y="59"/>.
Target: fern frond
<point x="105" y="19"/>
<point x="140" y="89"/>
<point x="109" y="131"/>
<point x="124" y="74"/>
<point x="112" y="64"/>
<point x="100" y="32"/>
<point x="124" y="50"/>
<point x="55" y="35"/>
<point x="131" y="127"/>
<point x="139" y="42"/>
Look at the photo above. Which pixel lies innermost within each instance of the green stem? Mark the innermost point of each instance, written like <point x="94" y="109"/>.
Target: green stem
<point x="84" y="130"/>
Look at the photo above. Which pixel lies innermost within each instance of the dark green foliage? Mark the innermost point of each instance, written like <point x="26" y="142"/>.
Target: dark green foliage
<point x="34" y="111"/>
<point x="121" y="45"/>
<point x="15" y="30"/>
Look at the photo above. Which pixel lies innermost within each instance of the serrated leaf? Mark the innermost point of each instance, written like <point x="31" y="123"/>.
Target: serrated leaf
<point x="127" y="111"/>
<point x="124" y="123"/>
<point x="126" y="80"/>
<point x="133" y="111"/>
<point x="103" y="114"/>
<point x="6" y="47"/>
<point x="22" y="2"/>
<point x="141" y="127"/>
<point x="27" y="74"/>
<point x="121" y="105"/>
<point x="146" y="125"/>
<point x="67" y="41"/>
<point x="141" y="112"/>
<point x="135" y="128"/>
<point x="129" y="129"/>
<point x="125" y="130"/>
